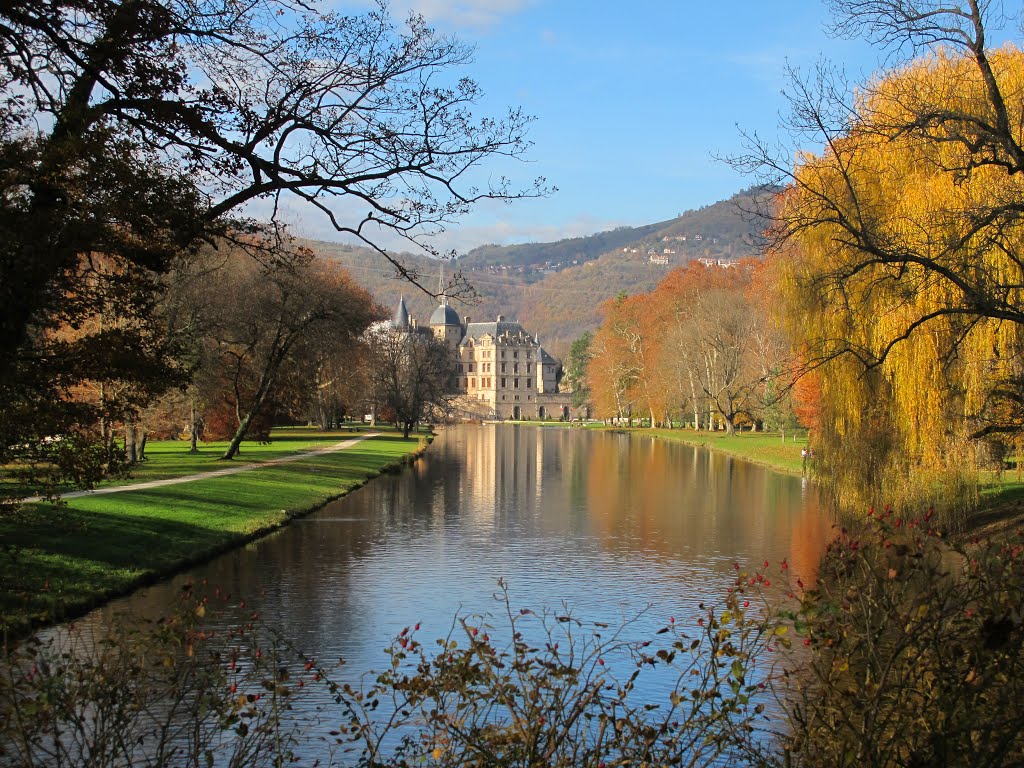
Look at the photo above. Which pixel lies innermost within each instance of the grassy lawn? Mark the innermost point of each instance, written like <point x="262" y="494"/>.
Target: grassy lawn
<point x="56" y="562"/>
<point x="1000" y="507"/>
<point x="759" y="447"/>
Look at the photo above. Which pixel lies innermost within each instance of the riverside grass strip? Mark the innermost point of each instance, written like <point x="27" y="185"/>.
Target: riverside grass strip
<point x="765" y="448"/>
<point x="1000" y="509"/>
<point x="58" y="562"/>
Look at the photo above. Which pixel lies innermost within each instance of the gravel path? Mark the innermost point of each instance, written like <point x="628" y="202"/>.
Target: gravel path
<point x="215" y="473"/>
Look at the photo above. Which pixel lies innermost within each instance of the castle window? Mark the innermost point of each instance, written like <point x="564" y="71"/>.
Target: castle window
<point x="515" y="383"/>
<point x="529" y="366"/>
<point x="473" y="383"/>
<point x="470" y="367"/>
<point x="460" y="367"/>
<point x="528" y="383"/>
<point x="503" y="367"/>
<point x="515" y="354"/>
<point x="503" y="382"/>
<point x="515" y="368"/>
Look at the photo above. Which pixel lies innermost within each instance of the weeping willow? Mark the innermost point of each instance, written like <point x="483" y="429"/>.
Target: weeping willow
<point x="902" y="280"/>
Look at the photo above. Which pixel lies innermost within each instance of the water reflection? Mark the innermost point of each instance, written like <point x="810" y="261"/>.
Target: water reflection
<point x="608" y="523"/>
<point x="613" y="525"/>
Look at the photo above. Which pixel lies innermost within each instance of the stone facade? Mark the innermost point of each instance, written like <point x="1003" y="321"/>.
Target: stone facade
<point x="501" y="371"/>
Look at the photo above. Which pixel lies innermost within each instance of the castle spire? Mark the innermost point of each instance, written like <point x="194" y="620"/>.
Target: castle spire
<point x="440" y="287"/>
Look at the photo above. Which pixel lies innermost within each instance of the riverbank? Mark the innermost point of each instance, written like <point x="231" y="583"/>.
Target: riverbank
<point x="1000" y="511"/>
<point x="59" y="562"/>
<point x="765" y="448"/>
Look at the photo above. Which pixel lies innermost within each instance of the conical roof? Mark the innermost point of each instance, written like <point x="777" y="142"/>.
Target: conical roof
<point x="401" y="316"/>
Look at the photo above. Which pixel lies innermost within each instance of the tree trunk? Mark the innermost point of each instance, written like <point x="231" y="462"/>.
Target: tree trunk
<point x="130" y="455"/>
<point x="234" y="447"/>
<point x="193" y="427"/>
<point x="134" y="443"/>
<point x="693" y="399"/>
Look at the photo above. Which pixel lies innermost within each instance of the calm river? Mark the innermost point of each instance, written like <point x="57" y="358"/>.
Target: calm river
<point x="614" y="526"/>
<point x="611" y="524"/>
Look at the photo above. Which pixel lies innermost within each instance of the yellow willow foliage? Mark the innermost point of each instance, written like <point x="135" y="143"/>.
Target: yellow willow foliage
<point x="910" y="356"/>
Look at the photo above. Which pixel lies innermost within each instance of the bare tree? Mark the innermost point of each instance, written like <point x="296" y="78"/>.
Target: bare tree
<point x="143" y="129"/>
<point x="256" y="330"/>
<point x="410" y="374"/>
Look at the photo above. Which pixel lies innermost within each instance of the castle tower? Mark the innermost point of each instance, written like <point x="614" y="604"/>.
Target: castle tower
<point x="401" y="317"/>
<point x="446" y="325"/>
<point x="445" y="321"/>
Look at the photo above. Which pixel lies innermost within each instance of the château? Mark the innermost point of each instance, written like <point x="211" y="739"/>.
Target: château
<point x="501" y="371"/>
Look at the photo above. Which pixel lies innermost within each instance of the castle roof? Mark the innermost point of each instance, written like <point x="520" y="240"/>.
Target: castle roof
<point x="445" y="314"/>
<point x="493" y="329"/>
<point x="401" y="317"/>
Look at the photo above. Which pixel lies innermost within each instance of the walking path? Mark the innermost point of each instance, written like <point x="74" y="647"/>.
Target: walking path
<point x="215" y="473"/>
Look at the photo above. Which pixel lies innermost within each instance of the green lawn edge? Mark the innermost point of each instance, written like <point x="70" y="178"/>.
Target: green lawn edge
<point x="765" y="448"/>
<point x="1000" y="509"/>
<point x="59" y="562"/>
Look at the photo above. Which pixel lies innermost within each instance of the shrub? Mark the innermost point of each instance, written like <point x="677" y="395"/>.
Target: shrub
<point x="568" y="697"/>
<point x="917" y="652"/>
<point x="145" y="694"/>
<point x="537" y="689"/>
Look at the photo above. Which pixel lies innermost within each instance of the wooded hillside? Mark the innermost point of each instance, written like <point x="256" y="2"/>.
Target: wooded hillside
<point x="538" y="283"/>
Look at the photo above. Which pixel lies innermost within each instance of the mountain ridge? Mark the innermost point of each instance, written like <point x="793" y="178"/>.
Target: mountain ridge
<point x="556" y="289"/>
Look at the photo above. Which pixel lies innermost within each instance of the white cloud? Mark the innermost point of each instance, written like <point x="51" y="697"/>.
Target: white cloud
<point x="476" y="14"/>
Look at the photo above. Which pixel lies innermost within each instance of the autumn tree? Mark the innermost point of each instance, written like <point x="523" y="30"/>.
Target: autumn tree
<point x="720" y="346"/>
<point x="267" y="317"/>
<point x="634" y="337"/>
<point x="92" y="366"/>
<point x="614" y="378"/>
<point x="140" y="130"/>
<point x="903" y="240"/>
<point x="334" y="381"/>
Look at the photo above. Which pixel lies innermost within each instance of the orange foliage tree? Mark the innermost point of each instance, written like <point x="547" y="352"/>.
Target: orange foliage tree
<point x="700" y="343"/>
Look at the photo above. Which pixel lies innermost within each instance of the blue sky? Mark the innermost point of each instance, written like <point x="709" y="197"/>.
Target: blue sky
<point x="632" y="100"/>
